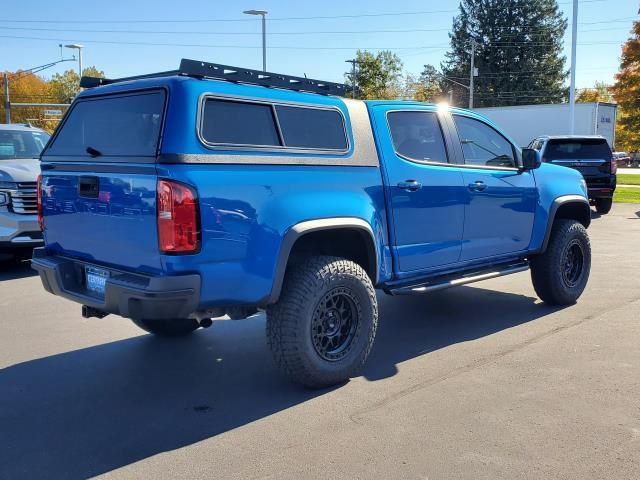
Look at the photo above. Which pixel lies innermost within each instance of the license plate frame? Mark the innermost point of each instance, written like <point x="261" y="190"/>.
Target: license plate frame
<point x="96" y="280"/>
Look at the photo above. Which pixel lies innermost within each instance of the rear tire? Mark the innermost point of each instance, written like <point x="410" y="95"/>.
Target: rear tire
<point x="174" y="327"/>
<point x="560" y="274"/>
<point x="603" y="205"/>
<point x="322" y="328"/>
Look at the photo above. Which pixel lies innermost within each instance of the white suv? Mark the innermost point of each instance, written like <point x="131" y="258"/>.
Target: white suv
<point x="20" y="147"/>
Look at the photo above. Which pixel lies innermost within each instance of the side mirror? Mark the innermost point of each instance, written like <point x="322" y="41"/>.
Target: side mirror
<point x="530" y="159"/>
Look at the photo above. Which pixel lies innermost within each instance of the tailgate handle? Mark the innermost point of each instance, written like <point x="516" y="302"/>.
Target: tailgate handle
<point x="88" y="187"/>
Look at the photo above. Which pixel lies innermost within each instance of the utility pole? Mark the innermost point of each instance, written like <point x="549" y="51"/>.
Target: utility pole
<point x="7" y="102"/>
<point x="353" y="63"/>
<point x="472" y="72"/>
<point x="572" y="86"/>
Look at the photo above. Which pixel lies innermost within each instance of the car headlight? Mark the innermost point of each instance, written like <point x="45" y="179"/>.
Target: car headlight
<point x="8" y="185"/>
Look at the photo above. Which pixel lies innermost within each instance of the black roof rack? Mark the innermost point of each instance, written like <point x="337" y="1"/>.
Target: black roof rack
<point x="198" y="69"/>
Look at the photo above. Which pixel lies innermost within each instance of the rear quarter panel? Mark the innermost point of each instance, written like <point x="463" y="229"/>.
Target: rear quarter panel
<point x="247" y="209"/>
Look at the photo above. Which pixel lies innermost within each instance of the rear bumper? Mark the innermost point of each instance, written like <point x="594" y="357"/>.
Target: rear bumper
<point x="19" y="231"/>
<point x="126" y="294"/>
<point x="602" y="187"/>
<point x="606" y="192"/>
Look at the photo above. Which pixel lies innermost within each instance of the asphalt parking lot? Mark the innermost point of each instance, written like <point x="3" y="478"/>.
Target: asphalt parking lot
<point x="476" y="382"/>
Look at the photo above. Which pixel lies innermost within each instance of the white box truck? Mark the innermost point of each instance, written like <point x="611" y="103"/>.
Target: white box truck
<point x="525" y="122"/>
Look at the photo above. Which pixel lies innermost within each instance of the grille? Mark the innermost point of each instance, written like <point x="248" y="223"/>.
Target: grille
<point x="24" y="198"/>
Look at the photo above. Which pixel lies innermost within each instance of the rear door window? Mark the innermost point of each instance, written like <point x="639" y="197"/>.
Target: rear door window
<point x="113" y="125"/>
<point x="417" y="136"/>
<point x="583" y="149"/>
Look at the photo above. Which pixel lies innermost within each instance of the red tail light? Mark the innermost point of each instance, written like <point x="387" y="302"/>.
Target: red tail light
<point x="178" y="226"/>
<point x="39" y="203"/>
<point x="614" y="166"/>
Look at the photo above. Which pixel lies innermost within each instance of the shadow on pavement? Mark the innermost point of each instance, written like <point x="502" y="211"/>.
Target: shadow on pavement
<point x="90" y="411"/>
<point x="14" y="269"/>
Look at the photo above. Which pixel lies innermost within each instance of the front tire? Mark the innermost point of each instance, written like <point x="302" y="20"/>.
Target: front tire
<point x="560" y="274"/>
<point x="322" y="328"/>
<point x="174" y="327"/>
<point x="603" y="205"/>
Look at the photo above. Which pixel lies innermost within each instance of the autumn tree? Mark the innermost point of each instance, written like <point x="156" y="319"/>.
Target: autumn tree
<point x="378" y="76"/>
<point x="601" y="92"/>
<point x="518" y="52"/>
<point x="26" y="87"/>
<point x="626" y="91"/>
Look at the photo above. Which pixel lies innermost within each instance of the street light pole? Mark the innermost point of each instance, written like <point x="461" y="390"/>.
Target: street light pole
<point x="572" y="86"/>
<point x="263" y="14"/>
<point x="77" y="46"/>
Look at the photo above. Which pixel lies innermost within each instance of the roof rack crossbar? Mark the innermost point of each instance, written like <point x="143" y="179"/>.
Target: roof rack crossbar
<point x="198" y="69"/>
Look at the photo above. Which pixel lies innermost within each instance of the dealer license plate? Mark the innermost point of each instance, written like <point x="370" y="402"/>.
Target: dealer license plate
<point x="96" y="280"/>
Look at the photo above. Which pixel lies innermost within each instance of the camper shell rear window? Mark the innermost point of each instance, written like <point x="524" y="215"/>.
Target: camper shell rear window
<point x="116" y="125"/>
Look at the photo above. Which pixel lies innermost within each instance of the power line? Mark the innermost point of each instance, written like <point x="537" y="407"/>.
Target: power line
<point x="280" y="47"/>
<point x="271" y="19"/>
<point x="307" y="32"/>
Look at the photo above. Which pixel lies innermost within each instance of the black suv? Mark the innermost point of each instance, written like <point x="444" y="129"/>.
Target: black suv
<point x="591" y="156"/>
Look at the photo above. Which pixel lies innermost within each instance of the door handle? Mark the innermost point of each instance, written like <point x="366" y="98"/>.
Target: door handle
<point x="410" y="185"/>
<point x="477" y="186"/>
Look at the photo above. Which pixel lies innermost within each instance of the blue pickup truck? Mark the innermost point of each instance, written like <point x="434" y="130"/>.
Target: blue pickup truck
<point x="183" y="196"/>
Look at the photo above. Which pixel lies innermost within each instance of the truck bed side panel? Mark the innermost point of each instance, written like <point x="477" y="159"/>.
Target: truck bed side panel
<point x="246" y="211"/>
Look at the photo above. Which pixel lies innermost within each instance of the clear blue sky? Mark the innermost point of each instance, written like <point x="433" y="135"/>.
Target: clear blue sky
<point x="293" y="48"/>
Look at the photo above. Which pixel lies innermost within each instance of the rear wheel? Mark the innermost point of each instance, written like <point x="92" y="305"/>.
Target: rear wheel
<point x="322" y="328"/>
<point x="174" y="327"/>
<point x="560" y="274"/>
<point x="603" y="205"/>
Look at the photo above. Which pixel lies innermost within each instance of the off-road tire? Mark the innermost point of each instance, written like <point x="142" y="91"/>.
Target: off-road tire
<point x="603" y="205"/>
<point x="175" y="327"/>
<point x="551" y="271"/>
<point x="310" y="286"/>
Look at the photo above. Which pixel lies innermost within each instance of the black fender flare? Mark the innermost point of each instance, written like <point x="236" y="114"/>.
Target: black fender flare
<point x="300" y="229"/>
<point x="553" y="210"/>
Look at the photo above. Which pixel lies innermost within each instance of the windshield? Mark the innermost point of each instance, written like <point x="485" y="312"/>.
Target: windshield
<point x="21" y="144"/>
<point x="587" y="149"/>
<point x="113" y="125"/>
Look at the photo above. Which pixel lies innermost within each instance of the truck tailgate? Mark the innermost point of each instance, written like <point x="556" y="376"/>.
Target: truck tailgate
<point x="106" y="218"/>
<point x="99" y="180"/>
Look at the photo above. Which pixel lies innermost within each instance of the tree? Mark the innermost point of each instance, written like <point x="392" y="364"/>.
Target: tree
<point x="626" y="91"/>
<point x="66" y="86"/>
<point x="377" y="76"/>
<point x="430" y="87"/>
<point x="518" y="52"/>
<point x="26" y="87"/>
<point x="601" y="92"/>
